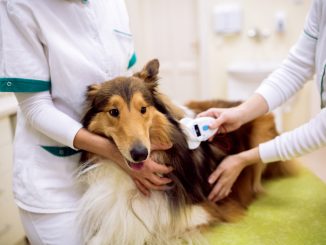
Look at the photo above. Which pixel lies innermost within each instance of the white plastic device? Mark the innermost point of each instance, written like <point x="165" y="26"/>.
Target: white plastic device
<point x="197" y="130"/>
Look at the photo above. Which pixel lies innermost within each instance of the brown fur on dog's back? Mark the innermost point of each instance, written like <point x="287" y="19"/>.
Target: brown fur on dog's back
<point x="200" y="106"/>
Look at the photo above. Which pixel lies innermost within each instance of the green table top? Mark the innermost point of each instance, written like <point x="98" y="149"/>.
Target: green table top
<point x="293" y="211"/>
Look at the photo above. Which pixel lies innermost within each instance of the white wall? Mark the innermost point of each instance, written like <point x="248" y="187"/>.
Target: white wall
<point x="167" y="30"/>
<point x="260" y="14"/>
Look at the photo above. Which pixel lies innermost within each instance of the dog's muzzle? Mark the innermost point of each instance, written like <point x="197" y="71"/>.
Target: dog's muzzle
<point x="139" y="153"/>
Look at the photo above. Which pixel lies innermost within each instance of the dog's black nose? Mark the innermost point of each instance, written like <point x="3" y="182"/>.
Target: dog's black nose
<point x="139" y="153"/>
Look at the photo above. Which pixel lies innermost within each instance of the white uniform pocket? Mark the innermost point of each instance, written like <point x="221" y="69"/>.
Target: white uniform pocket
<point x="125" y="41"/>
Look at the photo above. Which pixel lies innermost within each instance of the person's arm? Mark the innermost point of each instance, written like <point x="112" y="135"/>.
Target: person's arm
<point x="232" y="118"/>
<point x="228" y="171"/>
<point x="283" y="83"/>
<point x="304" y="139"/>
<point x="146" y="178"/>
<point x="24" y="69"/>
<point x="40" y="112"/>
<point x="298" y="67"/>
<point x="297" y="142"/>
<point x="275" y="90"/>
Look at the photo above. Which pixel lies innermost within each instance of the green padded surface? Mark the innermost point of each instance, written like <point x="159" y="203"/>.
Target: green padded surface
<point x="293" y="211"/>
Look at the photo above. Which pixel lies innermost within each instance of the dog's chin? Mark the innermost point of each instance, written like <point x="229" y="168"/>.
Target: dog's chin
<point x="135" y="165"/>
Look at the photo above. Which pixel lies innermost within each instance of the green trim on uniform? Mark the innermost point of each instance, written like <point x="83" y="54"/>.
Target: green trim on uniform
<point x="60" y="151"/>
<point x="309" y="35"/>
<point x="23" y="85"/>
<point x="322" y="88"/>
<point x="132" y="61"/>
<point x="125" y="34"/>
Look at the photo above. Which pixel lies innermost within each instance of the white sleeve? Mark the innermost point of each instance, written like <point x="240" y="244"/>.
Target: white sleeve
<point x="23" y="62"/>
<point x="24" y="68"/>
<point x="306" y="138"/>
<point x="285" y="82"/>
<point x="40" y="112"/>
<point x="297" y="68"/>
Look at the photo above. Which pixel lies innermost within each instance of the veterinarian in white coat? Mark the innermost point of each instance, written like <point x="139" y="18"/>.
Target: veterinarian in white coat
<point x="308" y="56"/>
<point x="50" y="51"/>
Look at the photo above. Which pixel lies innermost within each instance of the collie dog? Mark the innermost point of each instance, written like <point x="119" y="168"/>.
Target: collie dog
<point x="131" y="113"/>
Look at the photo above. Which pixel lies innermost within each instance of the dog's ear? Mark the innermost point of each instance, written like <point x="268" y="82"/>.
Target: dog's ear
<point x="92" y="91"/>
<point x="149" y="72"/>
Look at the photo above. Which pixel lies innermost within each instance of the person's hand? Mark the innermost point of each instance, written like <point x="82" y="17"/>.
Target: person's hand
<point x="149" y="177"/>
<point x="227" y="119"/>
<point x="224" y="177"/>
<point x="228" y="171"/>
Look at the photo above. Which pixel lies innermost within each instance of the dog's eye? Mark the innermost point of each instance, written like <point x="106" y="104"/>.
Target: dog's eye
<point x="143" y="110"/>
<point x="114" y="112"/>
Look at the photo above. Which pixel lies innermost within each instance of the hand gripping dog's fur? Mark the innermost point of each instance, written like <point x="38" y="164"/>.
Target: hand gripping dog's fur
<point x="133" y="114"/>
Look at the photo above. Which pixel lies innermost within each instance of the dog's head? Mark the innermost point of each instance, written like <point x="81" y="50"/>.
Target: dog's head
<point x="128" y="111"/>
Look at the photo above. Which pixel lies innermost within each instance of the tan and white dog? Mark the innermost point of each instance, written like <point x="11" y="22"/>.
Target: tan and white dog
<point x="133" y="114"/>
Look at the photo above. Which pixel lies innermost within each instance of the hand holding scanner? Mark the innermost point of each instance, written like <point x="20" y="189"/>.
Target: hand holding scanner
<point x="197" y="130"/>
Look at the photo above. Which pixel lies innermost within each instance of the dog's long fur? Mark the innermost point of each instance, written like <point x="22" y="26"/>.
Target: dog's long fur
<point x="133" y="114"/>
